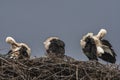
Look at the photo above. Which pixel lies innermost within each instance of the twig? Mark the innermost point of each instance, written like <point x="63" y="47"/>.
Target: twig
<point x="5" y="60"/>
<point x="76" y="72"/>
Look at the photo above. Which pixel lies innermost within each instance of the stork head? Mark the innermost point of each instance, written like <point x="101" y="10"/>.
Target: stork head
<point x="48" y="42"/>
<point x="10" y="40"/>
<point x="101" y="33"/>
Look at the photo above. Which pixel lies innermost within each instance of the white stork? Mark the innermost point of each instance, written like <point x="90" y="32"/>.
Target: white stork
<point x="54" y="47"/>
<point x="94" y="47"/>
<point x="18" y="50"/>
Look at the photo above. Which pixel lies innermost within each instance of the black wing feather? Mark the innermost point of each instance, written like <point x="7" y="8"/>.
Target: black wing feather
<point x="107" y="56"/>
<point x="23" y="52"/>
<point x="90" y="49"/>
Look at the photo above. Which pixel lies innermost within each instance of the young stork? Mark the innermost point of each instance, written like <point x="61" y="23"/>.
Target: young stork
<point x="54" y="47"/>
<point x="94" y="47"/>
<point x="18" y="50"/>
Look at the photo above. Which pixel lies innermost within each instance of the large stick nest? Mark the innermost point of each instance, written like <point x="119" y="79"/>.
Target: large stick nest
<point x="45" y="68"/>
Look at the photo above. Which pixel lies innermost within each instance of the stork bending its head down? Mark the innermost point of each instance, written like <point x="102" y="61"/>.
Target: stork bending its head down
<point x="54" y="47"/>
<point x="94" y="47"/>
<point x="18" y="50"/>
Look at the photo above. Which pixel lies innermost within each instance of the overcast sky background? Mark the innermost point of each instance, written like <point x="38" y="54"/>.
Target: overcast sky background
<point x="33" y="21"/>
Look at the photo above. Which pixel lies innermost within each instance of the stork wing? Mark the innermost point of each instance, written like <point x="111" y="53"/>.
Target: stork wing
<point x="109" y="54"/>
<point x="107" y="43"/>
<point x="23" y="52"/>
<point x="90" y="49"/>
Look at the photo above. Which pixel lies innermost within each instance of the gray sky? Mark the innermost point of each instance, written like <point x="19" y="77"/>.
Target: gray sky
<point x="32" y="21"/>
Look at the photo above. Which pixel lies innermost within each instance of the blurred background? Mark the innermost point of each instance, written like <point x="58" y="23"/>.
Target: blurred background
<point x="33" y="21"/>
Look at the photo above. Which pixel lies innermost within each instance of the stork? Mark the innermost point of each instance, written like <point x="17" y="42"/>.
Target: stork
<point x="94" y="47"/>
<point x="18" y="50"/>
<point x="54" y="47"/>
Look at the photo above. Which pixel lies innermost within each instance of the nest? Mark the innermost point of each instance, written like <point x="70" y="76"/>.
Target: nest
<point x="45" y="68"/>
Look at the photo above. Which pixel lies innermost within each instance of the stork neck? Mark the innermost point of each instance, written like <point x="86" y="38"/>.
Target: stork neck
<point x="14" y="45"/>
<point x="97" y="41"/>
